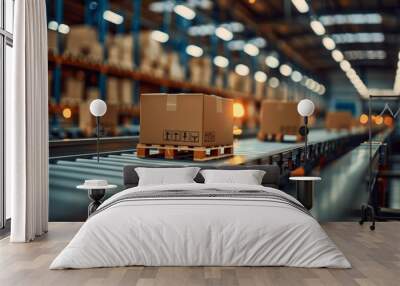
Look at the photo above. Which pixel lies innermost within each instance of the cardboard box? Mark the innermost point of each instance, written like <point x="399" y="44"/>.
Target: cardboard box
<point x="82" y="41"/>
<point x="219" y="79"/>
<point x="338" y="120"/>
<point x="126" y="91"/>
<point x="200" y="71"/>
<point x="92" y="93"/>
<point x="186" y="119"/>
<point x="120" y="50"/>
<point x="278" y="117"/>
<point x="259" y="90"/>
<point x="87" y="122"/>
<point x="150" y="49"/>
<point x="74" y="90"/>
<point x="81" y="35"/>
<point x="113" y="90"/>
<point x="175" y="70"/>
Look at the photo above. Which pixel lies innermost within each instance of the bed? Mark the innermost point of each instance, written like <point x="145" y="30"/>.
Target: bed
<point x="201" y="225"/>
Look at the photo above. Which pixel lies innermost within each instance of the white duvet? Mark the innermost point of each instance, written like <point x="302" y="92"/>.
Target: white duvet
<point x="202" y="232"/>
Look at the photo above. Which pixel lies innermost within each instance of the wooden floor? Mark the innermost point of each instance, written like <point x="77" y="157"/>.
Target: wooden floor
<point x="375" y="257"/>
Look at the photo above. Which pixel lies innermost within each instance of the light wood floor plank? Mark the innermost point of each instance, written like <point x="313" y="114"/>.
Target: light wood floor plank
<point x="375" y="257"/>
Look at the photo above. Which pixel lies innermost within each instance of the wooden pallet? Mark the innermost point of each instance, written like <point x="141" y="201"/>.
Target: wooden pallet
<point x="278" y="137"/>
<point x="173" y="152"/>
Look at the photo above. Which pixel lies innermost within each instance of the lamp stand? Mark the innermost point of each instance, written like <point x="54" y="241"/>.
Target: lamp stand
<point x="305" y="139"/>
<point x="98" y="137"/>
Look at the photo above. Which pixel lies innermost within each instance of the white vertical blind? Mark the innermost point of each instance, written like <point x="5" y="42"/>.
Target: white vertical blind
<point x="27" y="123"/>
<point x="9" y="12"/>
<point x="8" y="72"/>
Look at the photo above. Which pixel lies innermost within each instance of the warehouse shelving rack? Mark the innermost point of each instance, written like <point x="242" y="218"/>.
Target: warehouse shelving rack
<point x="146" y="82"/>
<point x="144" y="77"/>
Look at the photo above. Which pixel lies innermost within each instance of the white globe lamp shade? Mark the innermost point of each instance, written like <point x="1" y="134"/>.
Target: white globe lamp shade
<point x="305" y="107"/>
<point x="98" y="107"/>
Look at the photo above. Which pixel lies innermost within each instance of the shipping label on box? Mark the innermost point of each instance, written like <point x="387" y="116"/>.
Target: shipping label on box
<point x="181" y="136"/>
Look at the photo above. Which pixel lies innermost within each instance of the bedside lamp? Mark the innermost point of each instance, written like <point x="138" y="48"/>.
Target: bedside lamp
<point x="305" y="108"/>
<point x="98" y="108"/>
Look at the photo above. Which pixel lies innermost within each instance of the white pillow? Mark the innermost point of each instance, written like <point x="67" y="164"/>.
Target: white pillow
<point x="248" y="177"/>
<point x="165" y="176"/>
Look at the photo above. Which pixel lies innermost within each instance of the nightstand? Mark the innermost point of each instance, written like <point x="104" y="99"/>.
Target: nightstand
<point x="305" y="190"/>
<point x="95" y="194"/>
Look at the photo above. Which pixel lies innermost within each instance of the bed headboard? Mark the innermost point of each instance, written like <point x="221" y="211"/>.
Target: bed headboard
<point x="272" y="177"/>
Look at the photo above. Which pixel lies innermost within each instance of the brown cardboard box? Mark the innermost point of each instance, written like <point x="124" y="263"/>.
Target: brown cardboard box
<point x="338" y="120"/>
<point x="246" y="84"/>
<point x="81" y="34"/>
<point x="92" y="93"/>
<point x="278" y="117"/>
<point x="175" y="70"/>
<point x="74" y="89"/>
<point x="150" y="49"/>
<point x="120" y="50"/>
<point x="113" y="90"/>
<point x="233" y="81"/>
<point x="126" y="91"/>
<point x="200" y="70"/>
<point x="82" y="42"/>
<point x="219" y="79"/>
<point x="259" y="90"/>
<point x="186" y="119"/>
<point x="87" y="122"/>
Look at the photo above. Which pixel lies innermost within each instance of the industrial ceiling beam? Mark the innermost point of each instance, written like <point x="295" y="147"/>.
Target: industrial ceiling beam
<point x="242" y="12"/>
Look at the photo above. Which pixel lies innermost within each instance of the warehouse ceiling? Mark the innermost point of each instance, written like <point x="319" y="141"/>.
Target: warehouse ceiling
<point x="281" y="22"/>
<point x="366" y="31"/>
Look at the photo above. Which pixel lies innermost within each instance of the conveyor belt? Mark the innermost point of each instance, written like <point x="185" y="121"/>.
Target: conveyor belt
<point x="65" y="175"/>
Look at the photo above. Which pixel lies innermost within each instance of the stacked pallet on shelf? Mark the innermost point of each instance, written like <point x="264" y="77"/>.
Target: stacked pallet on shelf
<point x="120" y="54"/>
<point x="200" y="71"/>
<point x="127" y="86"/>
<point x="92" y="93"/>
<point x="219" y="78"/>
<point x="120" y="51"/>
<point x="82" y="42"/>
<point x="113" y="90"/>
<point x="175" y="70"/>
<point x="74" y="91"/>
<point x="119" y="91"/>
<point x="259" y="90"/>
<point x="240" y="83"/>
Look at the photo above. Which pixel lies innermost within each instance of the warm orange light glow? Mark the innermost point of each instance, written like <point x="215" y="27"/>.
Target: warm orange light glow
<point x="67" y="113"/>
<point x="238" y="110"/>
<point x="237" y="131"/>
<point x="388" y="121"/>
<point x="379" y="120"/>
<point x="252" y="1"/>
<point x="364" y="119"/>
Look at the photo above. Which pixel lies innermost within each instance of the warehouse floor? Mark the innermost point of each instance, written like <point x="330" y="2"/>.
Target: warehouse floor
<point x="374" y="257"/>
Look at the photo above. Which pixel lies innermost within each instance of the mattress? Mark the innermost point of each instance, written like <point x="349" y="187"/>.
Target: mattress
<point x="201" y="225"/>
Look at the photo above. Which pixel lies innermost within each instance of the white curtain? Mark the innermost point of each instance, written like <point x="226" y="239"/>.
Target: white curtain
<point x="27" y="124"/>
